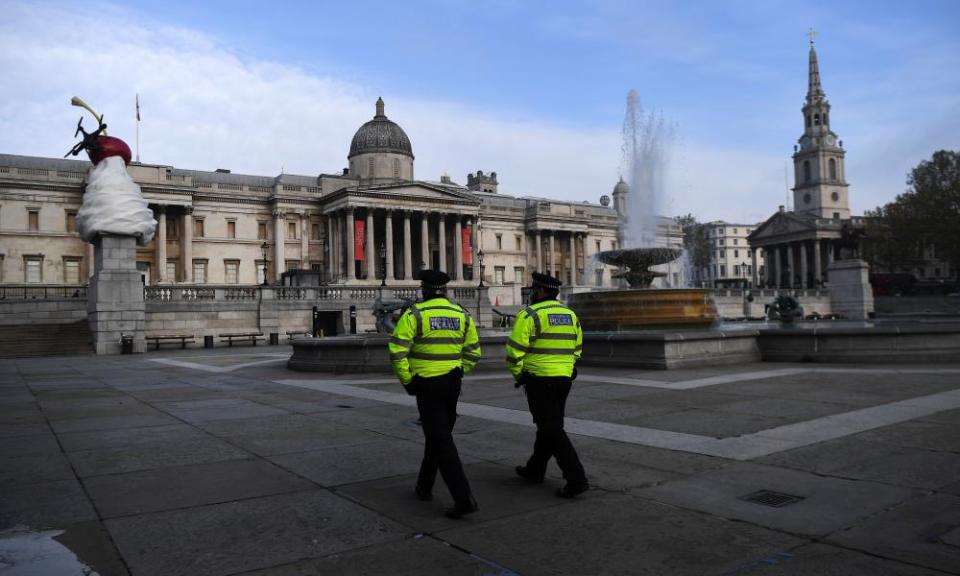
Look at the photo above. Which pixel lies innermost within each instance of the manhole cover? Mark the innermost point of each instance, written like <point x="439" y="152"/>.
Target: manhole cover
<point x="771" y="498"/>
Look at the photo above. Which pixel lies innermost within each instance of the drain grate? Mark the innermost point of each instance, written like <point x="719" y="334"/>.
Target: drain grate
<point x="771" y="498"/>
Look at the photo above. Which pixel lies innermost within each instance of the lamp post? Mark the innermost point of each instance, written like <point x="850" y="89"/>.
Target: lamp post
<point x="383" y="261"/>
<point x="263" y="248"/>
<point x="479" y="286"/>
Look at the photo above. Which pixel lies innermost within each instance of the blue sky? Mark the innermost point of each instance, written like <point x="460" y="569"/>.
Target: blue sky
<point x="532" y="90"/>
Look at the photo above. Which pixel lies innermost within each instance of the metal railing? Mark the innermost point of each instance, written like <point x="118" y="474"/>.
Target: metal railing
<point x="42" y="292"/>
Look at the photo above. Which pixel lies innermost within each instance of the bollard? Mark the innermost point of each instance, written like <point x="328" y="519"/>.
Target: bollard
<point x="208" y="341"/>
<point x="274" y="338"/>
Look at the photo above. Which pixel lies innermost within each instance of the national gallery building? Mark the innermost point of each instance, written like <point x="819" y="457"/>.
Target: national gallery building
<point x="373" y="223"/>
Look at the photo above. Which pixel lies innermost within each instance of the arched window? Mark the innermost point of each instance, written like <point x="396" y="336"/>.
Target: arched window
<point x="816" y="119"/>
<point x="806" y="170"/>
<point x="833" y="169"/>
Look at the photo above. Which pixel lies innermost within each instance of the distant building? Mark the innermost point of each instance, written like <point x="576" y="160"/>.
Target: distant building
<point x="731" y="264"/>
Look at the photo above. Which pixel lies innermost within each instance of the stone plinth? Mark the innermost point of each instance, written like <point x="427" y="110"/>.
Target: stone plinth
<point x="851" y="295"/>
<point x="115" y="298"/>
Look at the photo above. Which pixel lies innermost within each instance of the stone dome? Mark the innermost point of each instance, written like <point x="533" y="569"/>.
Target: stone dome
<point x="380" y="135"/>
<point x="621" y="187"/>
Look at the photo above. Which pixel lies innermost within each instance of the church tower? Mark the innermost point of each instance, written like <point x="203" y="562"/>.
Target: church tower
<point x="820" y="186"/>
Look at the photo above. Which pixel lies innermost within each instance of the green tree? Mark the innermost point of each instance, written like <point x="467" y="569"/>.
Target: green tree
<point x="695" y="242"/>
<point x="927" y="214"/>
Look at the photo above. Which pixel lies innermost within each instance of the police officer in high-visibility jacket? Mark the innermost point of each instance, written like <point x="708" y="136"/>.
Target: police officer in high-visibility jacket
<point x="542" y="352"/>
<point x="434" y="344"/>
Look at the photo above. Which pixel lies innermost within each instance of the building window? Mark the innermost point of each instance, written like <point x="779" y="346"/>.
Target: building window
<point x="598" y="249"/>
<point x="231" y="271"/>
<point x="261" y="272"/>
<point x="736" y="270"/>
<point x="498" y="272"/>
<point x="316" y="267"/>
<point x="499" y="241"/>
<point x="292" y="265"/>
<point x="613" y="244"/>
<point x="200" y="271"/>
<point x="735" y="242"/>
<point x="291" y="230"/>
<point x="33" y="220"/>
<point x="518" y="274"/>
<point x="172" y="229"/>
<point x="314" y="231"/>
<point x="806" y="170"/>
<point x="836" y="215"/>
<point x="261" y="230"/>
<point x="833" y="168"/>
<point x="734" y="230"/>
<point x="198" y="228"/>
<point x="370" y="167"/>
<point x="171" y="270"/>
<point x="816" y="119"/>
<point x="599" y="276"/>
<point x="71" y="222"/>
<point x="736" y="253"/>
<point x="71" y="270"/>
<point x="519" y="243"/>
<point x="396" y="167"/>
<point x="231" y="229"/>
<point x="33" y="269"/>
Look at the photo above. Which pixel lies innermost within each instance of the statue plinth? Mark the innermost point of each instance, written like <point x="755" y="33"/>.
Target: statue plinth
<point x="115" y="306"/>
<point x="851" y="295"/>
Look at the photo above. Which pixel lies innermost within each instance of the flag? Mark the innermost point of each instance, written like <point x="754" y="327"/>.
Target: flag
<point x="138" y="107"/>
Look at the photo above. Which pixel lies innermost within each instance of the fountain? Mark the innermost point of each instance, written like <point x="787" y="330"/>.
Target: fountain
<point x="644" y="150"/>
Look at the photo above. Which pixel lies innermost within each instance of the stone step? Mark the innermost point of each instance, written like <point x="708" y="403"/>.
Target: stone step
<point x="22" y="340"/>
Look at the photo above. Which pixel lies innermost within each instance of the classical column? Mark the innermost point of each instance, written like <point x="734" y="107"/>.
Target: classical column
<point x="573" y="259"/>
<point x="407" y="247"/>
<point x="91" y="256"/>
<point x="457" y="249"/>
<point x="474" y="225"/>
<point x="388" y="273"/>
<point x="425" y="240"/>
<point x="336" y="245"/>
<point x="186" y="244"/>
<point x="817" y="264"/>
<point x="161" y="240"/>
<point x="539" y="244"/>
<point x="304" y="241"/>
<point x="442" y="240"/>
<point x="831" y="255"/>
<point x="371" y="251"/>
<point x="756" y="271"/>
<point x="348" y="237"/>
<point x="791" y="268"/>
<point x="328" y="242"/>
<point x="553" y="254"/>
<point x="279" y="263"/>
<point x="803" y="264"/>
<point x="778" y="271"/>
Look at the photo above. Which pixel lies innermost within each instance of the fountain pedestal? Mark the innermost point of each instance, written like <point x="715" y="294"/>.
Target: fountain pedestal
<point x="115" y="306"/>
<point x="851" y="295"/>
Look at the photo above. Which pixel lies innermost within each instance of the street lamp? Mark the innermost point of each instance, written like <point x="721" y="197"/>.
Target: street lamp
<point x="480" y="262"/>
<point x="263" y="248"/>
<point x="383" y="261"/>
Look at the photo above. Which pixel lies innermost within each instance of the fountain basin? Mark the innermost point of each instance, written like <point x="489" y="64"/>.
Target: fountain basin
<point x="644" y="309"/>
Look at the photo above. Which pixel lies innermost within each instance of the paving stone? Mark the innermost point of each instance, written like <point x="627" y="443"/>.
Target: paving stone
<point x="357" y="462"/>
<point x="826" y="457"/>
<point x="912" y="532"/>
<point x="41" y="505"/>
<point x="111" y="422"/>
<point x="196" y="411"/>
<point x="118" y="438"/>
<point x="36" y="445"/>
<point x="918" y="434"/>
<point x="707" y="422"/>
<point x="413" y="555"/>
<point x="258" y="533"/>
<point x="186" y="486"/>
<point x="576" y="538"/>
<point x="91" y="542"/>
<point x="791" y="409"/>
<point x="829" y="504"/>
<point x="150" y="455"/>
<point x="286" y="434"/>
<point x="910" y="467"/>
<point x="823" y="560"/>
<point x="23" y="429"/>
<point x="33" y="469"/>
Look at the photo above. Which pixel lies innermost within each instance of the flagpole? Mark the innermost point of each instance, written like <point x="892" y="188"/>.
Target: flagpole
<point x="138" y="127"/>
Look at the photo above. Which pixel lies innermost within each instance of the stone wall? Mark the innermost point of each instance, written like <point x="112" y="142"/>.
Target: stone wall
<point x="733" y="304"/>
<point x="64" y="311"/>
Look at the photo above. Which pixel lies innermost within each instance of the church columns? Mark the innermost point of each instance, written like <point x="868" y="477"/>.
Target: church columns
<point x="442" y="240"/>
<point x="817" y="265"/>
<point x="778" y="271"/>
<point x="329" y="235"/>
<point x="279" y="218"/>
<point x="161" y="241"/>
<point x="91" y="256"/>
<point x="425" y="240"/>
<point x="371" y="251"/>
<point x="539" y="245"/>
<point x="457" y="249"/>
<point x="803" y="265"/>
<point x="186" y="244"/>
<point x="304" y="241"/>
<point x="573" y="259"/>
<point x="407" y="247"/>
<point x="754" y="269"/>
<point x="792" y="270"/>
<point x="349" y="235"/>
<point x="388" y="272"/>
<point x="553" y="254"/>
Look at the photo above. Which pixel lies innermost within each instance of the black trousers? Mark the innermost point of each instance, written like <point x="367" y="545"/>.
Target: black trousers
<point x="547" y="398"/>
<point x="437" y="402"/>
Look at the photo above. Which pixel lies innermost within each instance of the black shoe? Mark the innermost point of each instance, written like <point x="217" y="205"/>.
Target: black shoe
<point x="462" y="509"/>
<point x="422" y="494"/>
<point x="572" y="490"/>
<point x="524" y="473"/>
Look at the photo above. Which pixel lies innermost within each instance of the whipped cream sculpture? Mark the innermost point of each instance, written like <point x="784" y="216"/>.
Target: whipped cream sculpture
<point x="112" y="201"/>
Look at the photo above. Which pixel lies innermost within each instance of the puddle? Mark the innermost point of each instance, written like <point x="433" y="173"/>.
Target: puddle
<point x="26" y="552"/>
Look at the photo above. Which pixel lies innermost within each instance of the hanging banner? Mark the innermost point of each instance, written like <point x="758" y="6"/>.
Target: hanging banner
<point x="359" y="234"/>
<point x="467" y="246"/>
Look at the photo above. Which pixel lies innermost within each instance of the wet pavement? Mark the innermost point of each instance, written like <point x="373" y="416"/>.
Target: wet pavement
<point x="224" y="462"/>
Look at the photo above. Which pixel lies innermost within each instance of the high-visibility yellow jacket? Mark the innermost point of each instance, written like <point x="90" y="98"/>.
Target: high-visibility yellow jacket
<point x="546" y="341"/>
<point x="433" y="338"/>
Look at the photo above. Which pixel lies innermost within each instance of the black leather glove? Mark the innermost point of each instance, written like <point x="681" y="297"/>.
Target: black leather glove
<point x="411" y="388"/>
<point x="574" y="375"/>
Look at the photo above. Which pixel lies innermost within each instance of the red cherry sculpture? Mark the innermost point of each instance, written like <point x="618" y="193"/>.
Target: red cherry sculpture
<point x="106" y="146"/>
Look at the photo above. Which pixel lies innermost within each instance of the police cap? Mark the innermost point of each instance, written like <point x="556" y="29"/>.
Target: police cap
<point x="545" y="281"/>
<point x="434" y="279"/>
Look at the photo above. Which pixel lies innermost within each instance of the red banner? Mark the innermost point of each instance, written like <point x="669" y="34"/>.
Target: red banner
<point x="467" y="246"/>
<point x="359" y="236"/>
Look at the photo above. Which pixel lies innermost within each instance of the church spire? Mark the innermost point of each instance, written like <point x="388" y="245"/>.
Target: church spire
<point x="380" y="107"/>
<point x="814" y="89"/>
